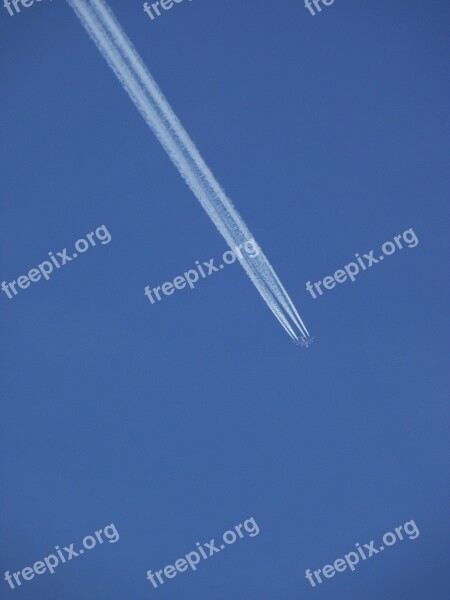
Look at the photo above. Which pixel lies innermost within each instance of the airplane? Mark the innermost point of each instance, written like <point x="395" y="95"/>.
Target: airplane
<point x="305" y="342"/>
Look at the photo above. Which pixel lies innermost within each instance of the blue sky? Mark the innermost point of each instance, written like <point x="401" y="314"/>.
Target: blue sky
<point x="179" y="420"/>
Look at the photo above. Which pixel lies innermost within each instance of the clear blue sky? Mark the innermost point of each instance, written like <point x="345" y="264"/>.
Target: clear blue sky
<point x="179" y="420"/>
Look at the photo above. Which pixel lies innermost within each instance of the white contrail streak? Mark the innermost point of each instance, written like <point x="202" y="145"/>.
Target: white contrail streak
<point x="102" y="26"/>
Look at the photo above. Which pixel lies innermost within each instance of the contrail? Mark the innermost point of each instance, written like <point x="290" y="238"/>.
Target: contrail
<point x="104" y="29"/>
